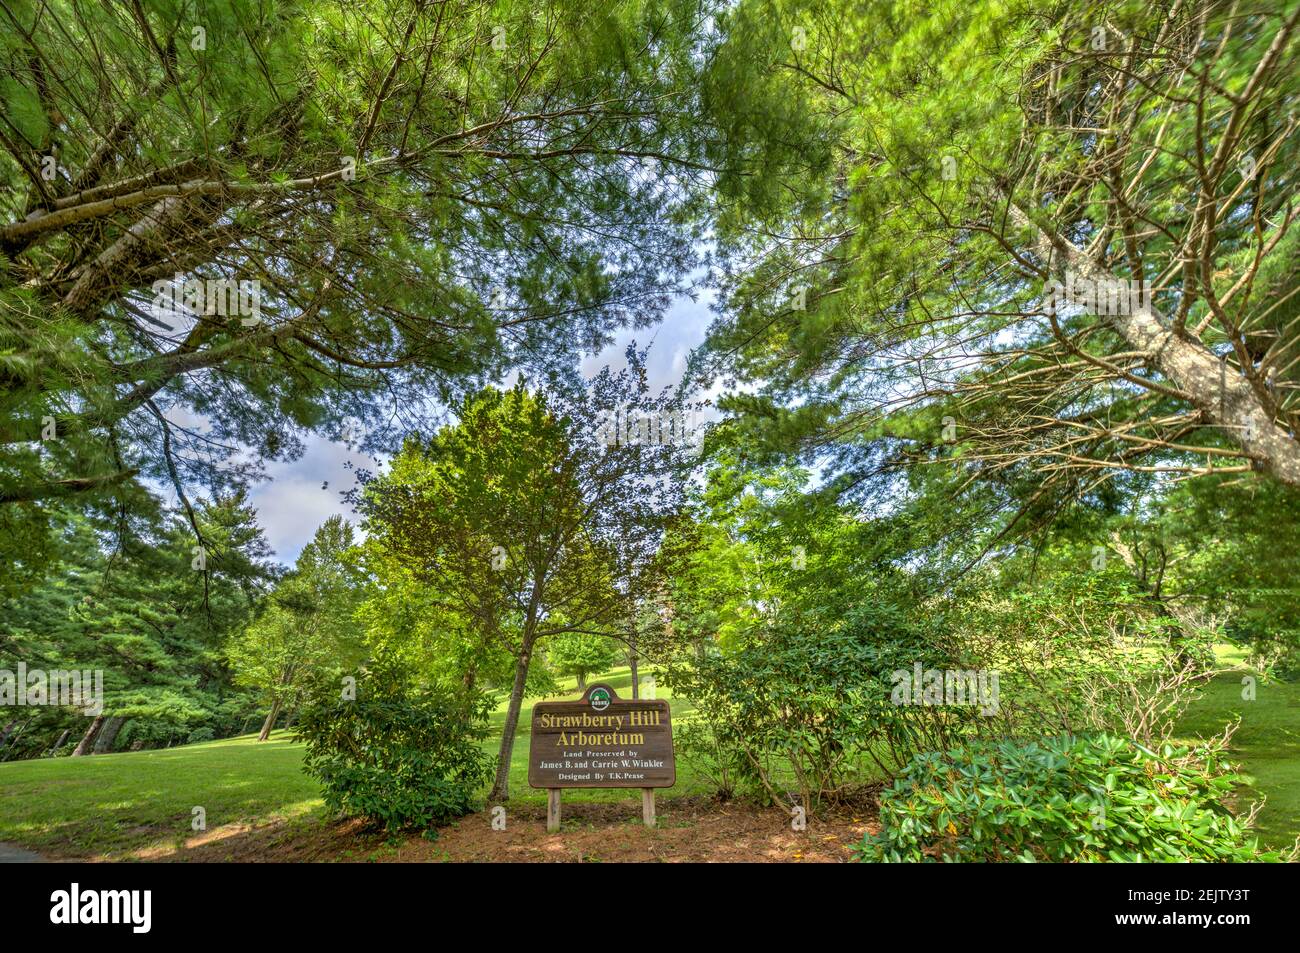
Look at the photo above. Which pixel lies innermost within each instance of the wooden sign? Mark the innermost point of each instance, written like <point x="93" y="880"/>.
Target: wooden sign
<point x="601" y="741"/>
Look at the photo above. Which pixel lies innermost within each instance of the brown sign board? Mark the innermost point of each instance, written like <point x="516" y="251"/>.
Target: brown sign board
<point x="602" y="741"/>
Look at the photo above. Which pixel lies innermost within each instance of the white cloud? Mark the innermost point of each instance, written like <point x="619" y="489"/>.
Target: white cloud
<point x="684" y="327"/>
<point x="292" y="504"/>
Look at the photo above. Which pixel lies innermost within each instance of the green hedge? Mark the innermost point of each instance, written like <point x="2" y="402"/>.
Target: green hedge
<point x="397" y="756"/>
<point x="1096" y="798"/>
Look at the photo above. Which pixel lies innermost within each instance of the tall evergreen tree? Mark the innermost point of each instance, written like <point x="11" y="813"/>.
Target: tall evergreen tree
<point x="151" y="614"/>
<point x="928" y="214"/>
<point x="421" y="194"/>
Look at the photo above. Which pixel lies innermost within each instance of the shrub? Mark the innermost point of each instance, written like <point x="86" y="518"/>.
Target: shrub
<point x="1066" y="798"/>
<point x="808" y="707"/>
<point x="397" y="756"/>
<point x="711" y="759"/>
<point x="202" y="733"/>
<point x="1080" y="653"/>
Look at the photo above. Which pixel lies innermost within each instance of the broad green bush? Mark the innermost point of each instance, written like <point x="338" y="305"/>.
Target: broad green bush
<point x="397" y="756"/>
<point x="806" y="712"/>
<point x="697" y="743"/>
<point x="1097" y="798"/>
<point x="1079" y="653"/>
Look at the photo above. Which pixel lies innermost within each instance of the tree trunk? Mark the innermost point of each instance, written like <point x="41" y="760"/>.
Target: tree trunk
<point x="1225" y="399"/>
<point x="267" y="725"/>
<point x="59" y="744"/>
<point x="501" y="786"/>
<point x="104" y="743"/>
<point x="13" y="744"/>
<point x="582" y="681"/>
<point x="83" y="747"/>
<point x="1179" y="633"/>
<point x="632" y="661"/>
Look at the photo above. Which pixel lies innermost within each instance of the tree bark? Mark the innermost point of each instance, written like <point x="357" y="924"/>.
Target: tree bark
<point x="104" y="743"/>
<point x="271" y="716"/>
<point x="1225" y="399"/>
<point x="632" y="661"/>
<point x="59" y="744"/>
<point x="88" y="739"/>
<point x="501" y="786"/>
<point x="13" y="744"/>
<point x="60" y="488"/>
<point x="582" y="681"/>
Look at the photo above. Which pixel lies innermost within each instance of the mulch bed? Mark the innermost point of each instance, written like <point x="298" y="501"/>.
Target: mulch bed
<point x="690" y="829"/>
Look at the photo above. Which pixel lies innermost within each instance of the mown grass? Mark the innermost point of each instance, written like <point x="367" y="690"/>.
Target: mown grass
<point x="106" y="804"/>
<point x="113" y="805"/>
<point x="1266" y="744"/>
<point x="118" y="803"/>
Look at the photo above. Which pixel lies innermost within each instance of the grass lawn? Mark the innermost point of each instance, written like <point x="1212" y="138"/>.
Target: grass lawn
<point x="1266" y="745"/>
<point x="107" y="804"/>
<point x="113" y="805"/>
<point x="117" y="803"/>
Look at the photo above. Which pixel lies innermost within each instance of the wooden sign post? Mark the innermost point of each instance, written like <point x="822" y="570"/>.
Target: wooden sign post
<point x="601" y="741"/>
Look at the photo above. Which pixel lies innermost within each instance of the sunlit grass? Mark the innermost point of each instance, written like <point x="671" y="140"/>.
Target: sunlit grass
<point x="1266" y="745"/>
<point x="116" y="804"/>
<point x="112" y="802"/>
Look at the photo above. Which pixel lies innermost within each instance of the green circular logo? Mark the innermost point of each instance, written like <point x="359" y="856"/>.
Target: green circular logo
<point x="600" y="699"/>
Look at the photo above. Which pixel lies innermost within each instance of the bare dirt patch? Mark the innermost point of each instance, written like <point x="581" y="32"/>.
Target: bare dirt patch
<point x="690" y="829"/>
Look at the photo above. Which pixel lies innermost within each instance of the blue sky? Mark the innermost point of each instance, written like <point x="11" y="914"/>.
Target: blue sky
<point x="292" y="503"/>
